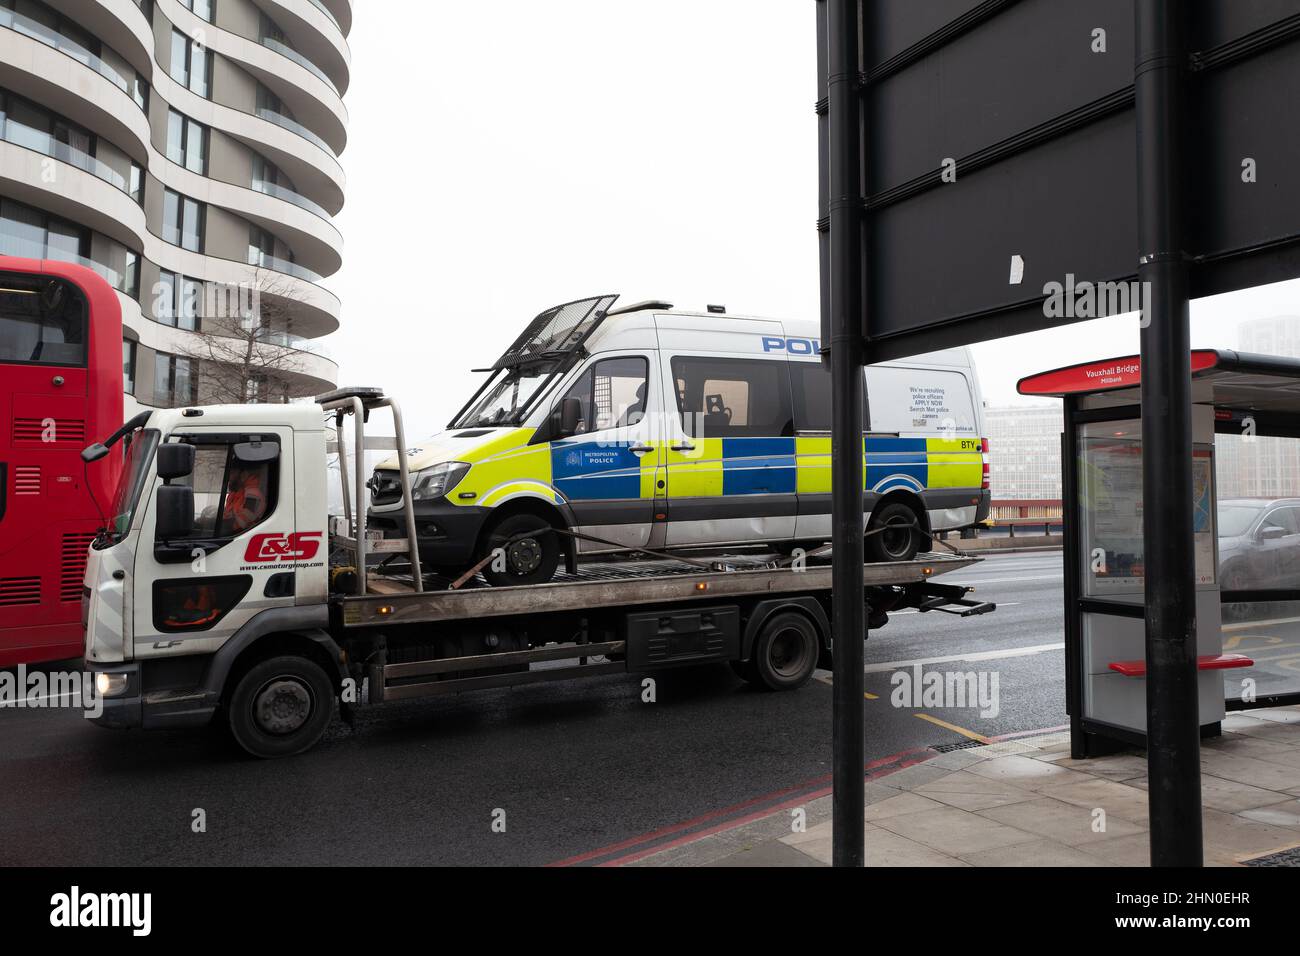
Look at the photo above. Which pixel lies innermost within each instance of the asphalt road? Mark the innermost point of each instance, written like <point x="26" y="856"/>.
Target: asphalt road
<point x="580" y="772"/>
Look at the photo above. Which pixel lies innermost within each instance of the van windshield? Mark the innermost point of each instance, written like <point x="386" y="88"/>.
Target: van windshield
<point x="505" y="401"/>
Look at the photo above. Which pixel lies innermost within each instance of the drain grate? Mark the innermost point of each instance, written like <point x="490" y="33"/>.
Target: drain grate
<point x="959" y="745"/>
<point x="1289" y="857"/>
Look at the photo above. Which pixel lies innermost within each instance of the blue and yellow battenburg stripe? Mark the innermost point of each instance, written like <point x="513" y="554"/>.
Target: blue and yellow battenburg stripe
<point x="585" y="471"/>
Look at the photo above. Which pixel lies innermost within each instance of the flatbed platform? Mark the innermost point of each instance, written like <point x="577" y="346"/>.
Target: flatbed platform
<point x="616" y="583"/>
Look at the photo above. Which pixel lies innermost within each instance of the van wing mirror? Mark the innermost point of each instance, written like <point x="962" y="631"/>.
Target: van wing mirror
<point x="175" y="460"/>
<point x="1271" y="532"/>
<point x="175" y="512"/>
<point x="570" y="413"/>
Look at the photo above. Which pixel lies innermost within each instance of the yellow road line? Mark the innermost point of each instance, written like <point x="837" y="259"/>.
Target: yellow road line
<point x="954" y="728"/>
<point x="869" y="696"/>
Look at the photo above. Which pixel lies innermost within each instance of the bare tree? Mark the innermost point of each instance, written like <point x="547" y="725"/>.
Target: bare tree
<point x="245" y="352"/>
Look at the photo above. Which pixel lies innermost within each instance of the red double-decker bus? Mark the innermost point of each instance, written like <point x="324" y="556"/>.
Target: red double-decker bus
<point x="60" y="387"/>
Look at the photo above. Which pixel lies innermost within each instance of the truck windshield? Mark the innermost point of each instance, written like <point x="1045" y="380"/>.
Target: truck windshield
<point x="138" y="455"/>
<point x="505" y="401"/>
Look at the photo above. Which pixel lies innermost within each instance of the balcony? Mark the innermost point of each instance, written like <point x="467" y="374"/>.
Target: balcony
<point x="264" y="261"/>
<point x="290" y="53"/>
<point x="326" y="10"/>
<point x="288" y="195"/>
<point x="25" y="249"/>
<point x="294" y="126"/>
<point x="47" y="145"/>
<point x="56" y="41"/>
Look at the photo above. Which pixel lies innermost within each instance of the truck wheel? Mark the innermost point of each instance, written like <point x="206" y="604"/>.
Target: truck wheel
<point x="785" y="652"/>
<point x="530" y="559"/>
<point x="281" y="707"/>
<point x="900" y="539"/>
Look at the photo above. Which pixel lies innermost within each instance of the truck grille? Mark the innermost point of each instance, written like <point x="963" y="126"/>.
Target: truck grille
<point x="385" y="487"/>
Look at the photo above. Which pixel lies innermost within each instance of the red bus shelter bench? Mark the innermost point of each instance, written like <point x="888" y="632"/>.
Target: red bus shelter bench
<point x="1206" y="662"/>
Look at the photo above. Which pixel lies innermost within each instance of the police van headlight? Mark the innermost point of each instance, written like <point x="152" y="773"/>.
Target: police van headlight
<point x="437" y="481"/>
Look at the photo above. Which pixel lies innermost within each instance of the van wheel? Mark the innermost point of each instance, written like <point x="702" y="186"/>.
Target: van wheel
<point x="900" y="539"/>
<point x="281" y="707"/>
<point x="785" y="652"/>
<point x="531" y="558"/>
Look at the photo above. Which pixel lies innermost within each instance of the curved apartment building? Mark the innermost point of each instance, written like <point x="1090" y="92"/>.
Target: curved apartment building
<point x="188" y="151"/>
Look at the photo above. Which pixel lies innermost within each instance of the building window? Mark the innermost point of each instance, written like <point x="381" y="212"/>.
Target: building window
<point x="183" y="220"/>
<point x="174" y="381"/>
<point x="140" y="92"/>
<point x="187" y="142"/>
<point x="203" y="9"/>
<point x="34" y="234"/>
<point x="178" y="301"/>
<point x="261" y="246"/>
<point x="128" y="366"/>
<point x="27" y="124"/>
<point x="265" y="171"/>
<point x="131" y="275"/>
<point x="191" y="64"/>
<point x="136" y="187"/>
<point x="268" y="101"/>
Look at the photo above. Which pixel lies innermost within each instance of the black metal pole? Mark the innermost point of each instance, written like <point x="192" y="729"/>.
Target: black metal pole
<point x="1173" y="724"/>
<point x="846" y="353"/>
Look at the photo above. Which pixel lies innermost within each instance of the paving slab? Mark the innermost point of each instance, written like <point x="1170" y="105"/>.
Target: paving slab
<point x="1064" y="823"/>
<point x="1231" y="796"/>
<point x="970" y="791"/>
<point x="1036" y="853"/>
<point x="1025" y="772"/>
<point x="953" y="831"/>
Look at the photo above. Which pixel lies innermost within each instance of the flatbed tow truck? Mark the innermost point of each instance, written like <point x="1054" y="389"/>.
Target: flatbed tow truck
<point x="216" y="594"/>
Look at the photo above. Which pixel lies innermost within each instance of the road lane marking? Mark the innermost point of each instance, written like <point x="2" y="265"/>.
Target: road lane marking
<point x="954" y="728"/>
<point x="973" y="656"/>
<point x="1014" y="580"/>
<point x="829" y="680"/>
<point x="1249" y="624"/>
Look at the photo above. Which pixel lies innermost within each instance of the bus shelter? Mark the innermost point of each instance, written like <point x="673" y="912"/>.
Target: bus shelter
<point x="1245" y="461"/>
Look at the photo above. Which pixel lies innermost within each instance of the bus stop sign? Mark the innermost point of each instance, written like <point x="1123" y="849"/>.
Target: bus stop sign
<point x="999" y="174"/>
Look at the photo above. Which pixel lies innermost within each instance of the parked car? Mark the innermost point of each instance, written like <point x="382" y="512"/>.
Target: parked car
<point x="1259" y="544"/>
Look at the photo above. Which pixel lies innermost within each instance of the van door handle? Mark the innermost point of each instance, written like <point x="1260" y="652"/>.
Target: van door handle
<point x="641" y="449"/>
<point x="683" y="446"/>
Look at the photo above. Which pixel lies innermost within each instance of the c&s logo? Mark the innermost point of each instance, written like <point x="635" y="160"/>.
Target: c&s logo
<point x="279" y="547"/>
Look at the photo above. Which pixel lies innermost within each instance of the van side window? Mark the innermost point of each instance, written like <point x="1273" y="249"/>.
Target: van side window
<point x="732" y="398"/>
<point x="810" y="382"/>
<point x="612" y="393"/>
<point x="230" y="496"/>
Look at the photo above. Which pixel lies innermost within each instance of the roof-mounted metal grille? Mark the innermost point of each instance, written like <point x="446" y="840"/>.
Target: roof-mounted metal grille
<point x="557" y="332"/>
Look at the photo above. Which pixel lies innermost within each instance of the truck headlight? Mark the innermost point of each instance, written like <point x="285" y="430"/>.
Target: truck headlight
<point x="437" y="481"/>
<point x="110" y="685"/>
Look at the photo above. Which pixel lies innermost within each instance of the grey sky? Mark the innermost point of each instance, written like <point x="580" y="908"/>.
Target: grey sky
<point x="576" y="147"/>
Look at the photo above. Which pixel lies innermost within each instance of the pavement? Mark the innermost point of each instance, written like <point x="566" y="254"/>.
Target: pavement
<point x="1022" y="801"/>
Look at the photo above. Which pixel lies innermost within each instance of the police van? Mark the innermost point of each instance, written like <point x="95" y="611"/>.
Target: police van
<point x="649" y="427"/>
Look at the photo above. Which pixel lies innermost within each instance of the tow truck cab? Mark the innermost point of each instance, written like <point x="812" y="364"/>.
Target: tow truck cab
<point x="218" y="529"/>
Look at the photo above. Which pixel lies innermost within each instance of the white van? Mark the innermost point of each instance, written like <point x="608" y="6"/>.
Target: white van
<point x="649" y="427"/>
